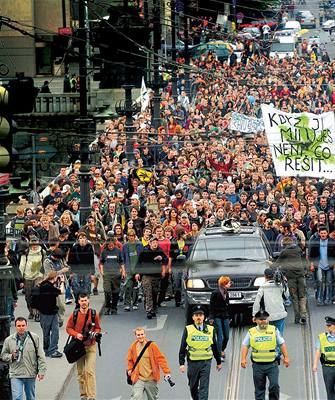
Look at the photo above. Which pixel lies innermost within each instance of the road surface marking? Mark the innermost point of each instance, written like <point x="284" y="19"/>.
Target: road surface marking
<point x="161" y="319"/>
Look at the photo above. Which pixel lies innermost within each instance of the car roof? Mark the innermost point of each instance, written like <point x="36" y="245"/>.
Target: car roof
<point x="246" y="231"/>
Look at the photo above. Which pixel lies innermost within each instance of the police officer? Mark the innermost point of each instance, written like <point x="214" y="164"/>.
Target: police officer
<point x="263" y="340"/>
<point x="325" y="352"/>
<point x="112" y="270"/>
<point x="199" y="343"/>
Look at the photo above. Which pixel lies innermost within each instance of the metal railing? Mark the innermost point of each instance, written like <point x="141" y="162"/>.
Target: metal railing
<point x="67" y="103"/>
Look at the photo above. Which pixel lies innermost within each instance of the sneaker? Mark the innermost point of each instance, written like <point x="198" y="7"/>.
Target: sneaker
<point x="149" y="315"/>
<point x="37" y="318"/>
<point x="114" y="311"/>
<point x="127" y="308"/>
<point x="163" y="305"/>
<point x="135" y="307"/>
<point x="95" y="291"/>
<point x="319" y="303"/>
<point x="297" y="320"/>
<point x="56" y="354"/>
<point x="31" y="316"/>
<point x="68" y="301"/>
<point x="60" y="323"/>
<point x="153" y="315"/>
<point x="107" y="311"/>
<point x="303" y="321"/>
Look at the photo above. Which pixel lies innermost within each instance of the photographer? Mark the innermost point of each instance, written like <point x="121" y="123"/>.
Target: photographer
<point x="47" y="306"/>
<point x="88" y="321"/>
<point x="145" y="376"/>
<point x="270" y="297"/>
<point x="290" y="261"/>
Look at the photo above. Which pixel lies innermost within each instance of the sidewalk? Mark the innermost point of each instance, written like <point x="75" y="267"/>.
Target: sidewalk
<point x="59" y="370"/>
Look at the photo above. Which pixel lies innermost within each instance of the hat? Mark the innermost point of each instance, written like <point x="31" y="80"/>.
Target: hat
<point x="110" y="235"/>
<point x="95" y="200"/>
<point x="184" y="214"/>
<point x="198" y="310"/>
<point x="134" y="197"/>
<point x="34" y="239"/>
<point x="152" y="192"/>
<point x="66" y="188"/>
<point x="262" y="314"/>
<point x="330" y="320"/>
<point x="269" y="272"/>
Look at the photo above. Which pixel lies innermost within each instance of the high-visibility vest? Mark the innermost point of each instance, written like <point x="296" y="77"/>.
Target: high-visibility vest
<point x="199" y="343"/>
<point x="327" y="350"/>
<point x="263" y="344"/>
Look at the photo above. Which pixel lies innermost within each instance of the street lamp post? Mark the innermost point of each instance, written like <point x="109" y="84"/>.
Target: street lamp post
<point x="129" y="127"/>
<point x="174" y="78"/>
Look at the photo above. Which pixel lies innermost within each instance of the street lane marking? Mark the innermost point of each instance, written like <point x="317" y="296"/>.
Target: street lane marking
<point x="161" y="319"/>
<point x="284" y="396"/>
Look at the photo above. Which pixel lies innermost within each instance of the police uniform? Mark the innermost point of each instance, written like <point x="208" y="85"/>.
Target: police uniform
<point x="199" y="345"/>
<point x="264" y="359"/>
<point x="326" y="344"/>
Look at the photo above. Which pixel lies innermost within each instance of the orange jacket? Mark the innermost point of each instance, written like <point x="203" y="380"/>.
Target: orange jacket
<point x="157" y="359"/>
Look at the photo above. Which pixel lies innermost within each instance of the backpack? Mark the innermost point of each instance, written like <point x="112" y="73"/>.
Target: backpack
<point x="75" y="316"/>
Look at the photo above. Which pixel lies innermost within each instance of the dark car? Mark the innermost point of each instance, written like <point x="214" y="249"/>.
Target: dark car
<point x="241" y="253"/>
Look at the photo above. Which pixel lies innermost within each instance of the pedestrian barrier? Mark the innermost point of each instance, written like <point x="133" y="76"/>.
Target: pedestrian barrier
<point x="67" y="103"/>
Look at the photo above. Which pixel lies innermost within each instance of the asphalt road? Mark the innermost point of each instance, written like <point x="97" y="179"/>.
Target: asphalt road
<point x="232" y="383"/>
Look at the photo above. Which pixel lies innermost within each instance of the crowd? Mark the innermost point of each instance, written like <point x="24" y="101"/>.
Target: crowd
<point x="152" y="192"/>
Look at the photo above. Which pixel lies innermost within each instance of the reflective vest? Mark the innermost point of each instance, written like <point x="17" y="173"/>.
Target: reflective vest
<point x="199" y="343"/>
<point x="263" y="344"/>
<point x="327" y="350"/>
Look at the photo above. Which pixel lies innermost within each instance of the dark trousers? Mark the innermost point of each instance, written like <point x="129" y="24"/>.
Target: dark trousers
<point x="111" y="285"/>
<point x="163" y="288"/>
<point x="50" y="328"/>
<point x="328" y="373"/>
<point x="198" y="373"/>
<point x="260" y="373"/>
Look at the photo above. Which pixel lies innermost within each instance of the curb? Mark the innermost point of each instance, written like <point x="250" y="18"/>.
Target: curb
<point x="61" y="392"/>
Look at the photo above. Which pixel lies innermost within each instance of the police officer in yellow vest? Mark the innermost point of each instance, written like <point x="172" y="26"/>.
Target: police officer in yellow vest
<point x="325" y="352"/>
<point x="263" y="340"/>
<point x="199" y="344"/>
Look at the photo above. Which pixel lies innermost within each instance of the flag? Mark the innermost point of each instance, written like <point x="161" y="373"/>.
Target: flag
<point x="144" y="96"/>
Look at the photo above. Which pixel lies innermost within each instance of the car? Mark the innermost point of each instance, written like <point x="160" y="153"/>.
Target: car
<point x="253" y="31"/>
<point x="242" y="253"/>
<point x="306" y="19"/>
<point x="329" y="24"/>
<point x="285" y="36"/>
<point x="282" y="50"/>
<point x="294" y="27"/>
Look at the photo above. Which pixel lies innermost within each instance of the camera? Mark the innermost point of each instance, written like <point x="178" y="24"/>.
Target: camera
<point x="95" y="335"/>
<point x="169" y="380"/>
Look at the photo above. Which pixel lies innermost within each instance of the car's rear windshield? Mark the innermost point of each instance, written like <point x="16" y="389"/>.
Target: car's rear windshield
<point x="233" y="247"/>
<point x="282" y="47"/>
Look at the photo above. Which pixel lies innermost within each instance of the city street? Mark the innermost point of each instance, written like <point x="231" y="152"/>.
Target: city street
<point x="231" y="383"/>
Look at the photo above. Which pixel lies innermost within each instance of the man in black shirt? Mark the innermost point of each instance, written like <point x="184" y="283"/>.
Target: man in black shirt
<point x="112" y="270"/>
<point x="151" y="266"/>
<point x="47" y="306"/>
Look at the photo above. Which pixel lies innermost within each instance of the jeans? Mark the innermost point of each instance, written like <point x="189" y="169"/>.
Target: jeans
<point x="260" y="373"/>
<point x="324" y="282"/>
<point x="131" y="292"/>
<point x="222" y="331"/>
<point x="81" y="284"/>
<point x="18" y="384"/>
<point x="279" y="324"/>
<point x="68" y="294"/>
<point x="177" y="277"/>
<point x="50" y="328"/>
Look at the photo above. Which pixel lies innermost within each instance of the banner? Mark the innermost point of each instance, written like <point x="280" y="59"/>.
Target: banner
<point x="144" y="96"/>
<point x="242" y="123"/>
<point x="302" y="144"/>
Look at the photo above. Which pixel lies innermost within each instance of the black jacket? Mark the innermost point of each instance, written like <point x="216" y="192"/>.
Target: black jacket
<point x="290" y="261"/>
<point x="48" y="298"/>
<point x="218" y="306"/>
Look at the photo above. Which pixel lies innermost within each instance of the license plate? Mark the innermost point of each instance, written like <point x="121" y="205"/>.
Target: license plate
<point x="235" y="295"/>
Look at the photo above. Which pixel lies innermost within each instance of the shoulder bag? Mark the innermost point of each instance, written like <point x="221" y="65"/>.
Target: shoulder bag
<point x="129" y="381"/>
<point x="75" y="348"/>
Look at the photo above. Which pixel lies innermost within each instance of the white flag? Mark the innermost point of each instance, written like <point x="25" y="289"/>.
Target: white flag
<point x="144" y="96"/>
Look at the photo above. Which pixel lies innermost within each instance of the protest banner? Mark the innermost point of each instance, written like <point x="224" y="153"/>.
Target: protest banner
<point x="302" y="144"/>
<point x="243" y="123"/>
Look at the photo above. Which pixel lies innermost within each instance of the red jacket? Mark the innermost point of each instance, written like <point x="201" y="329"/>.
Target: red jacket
<point x="157" y="360"/>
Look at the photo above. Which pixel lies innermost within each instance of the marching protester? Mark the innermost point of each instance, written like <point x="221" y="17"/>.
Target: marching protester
<point x="199" y="346"/>
<point x="84" y="325"/>
<point x="263" y="340"/>
<point x="23" y="352"/>
<point x="144" y="361"/>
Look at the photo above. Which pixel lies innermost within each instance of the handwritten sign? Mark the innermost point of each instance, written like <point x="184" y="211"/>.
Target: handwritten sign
<point x="301" y="144"/>
<point x="243" y="123"/>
